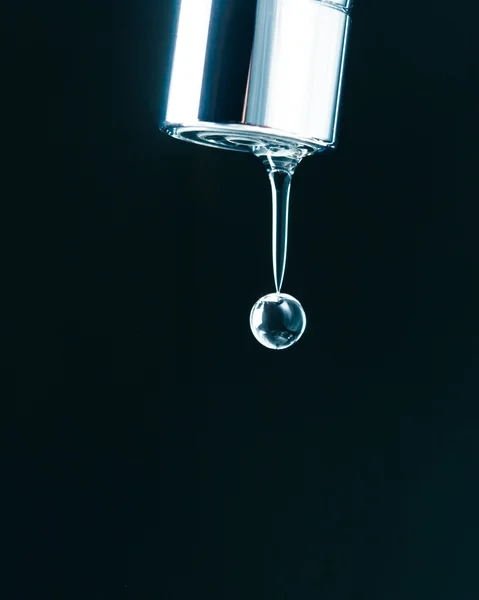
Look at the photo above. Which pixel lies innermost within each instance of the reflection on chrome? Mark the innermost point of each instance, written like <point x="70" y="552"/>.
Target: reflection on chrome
<point x="190" y="52"/>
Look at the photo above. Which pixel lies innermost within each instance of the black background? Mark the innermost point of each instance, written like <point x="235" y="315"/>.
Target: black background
<point x="159" y="451"/>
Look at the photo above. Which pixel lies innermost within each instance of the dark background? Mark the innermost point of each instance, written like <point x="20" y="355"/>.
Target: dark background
<point x="157" y="451"/>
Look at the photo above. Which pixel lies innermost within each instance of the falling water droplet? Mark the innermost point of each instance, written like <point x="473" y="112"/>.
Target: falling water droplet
<point x="277" y="321"/>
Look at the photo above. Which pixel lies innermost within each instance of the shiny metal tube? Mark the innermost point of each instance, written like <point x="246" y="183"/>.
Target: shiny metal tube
<point x="249" y="70"/>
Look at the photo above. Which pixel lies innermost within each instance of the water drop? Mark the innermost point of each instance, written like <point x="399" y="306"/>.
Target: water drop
<point x="277" y="321"/>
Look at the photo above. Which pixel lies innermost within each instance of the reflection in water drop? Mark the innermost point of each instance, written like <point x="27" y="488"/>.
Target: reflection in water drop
<point x="277" y="321"/>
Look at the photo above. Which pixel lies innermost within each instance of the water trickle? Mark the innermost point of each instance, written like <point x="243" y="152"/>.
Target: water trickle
<point x="280" y="187"/>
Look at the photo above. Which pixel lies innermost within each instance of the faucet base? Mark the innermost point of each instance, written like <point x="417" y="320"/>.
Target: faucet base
<point x="246" y="138"/>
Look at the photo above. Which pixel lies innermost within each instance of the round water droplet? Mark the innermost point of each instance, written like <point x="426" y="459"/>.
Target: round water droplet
<point x="277" y="321"/>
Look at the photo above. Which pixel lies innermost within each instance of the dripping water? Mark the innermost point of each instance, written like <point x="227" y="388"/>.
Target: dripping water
<point x="280" y="187"/>
<point x="280" y="171"/>
<point x="278" y="320"/>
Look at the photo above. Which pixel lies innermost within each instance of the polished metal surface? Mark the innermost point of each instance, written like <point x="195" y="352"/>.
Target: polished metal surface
<point x="249" y="70"/>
